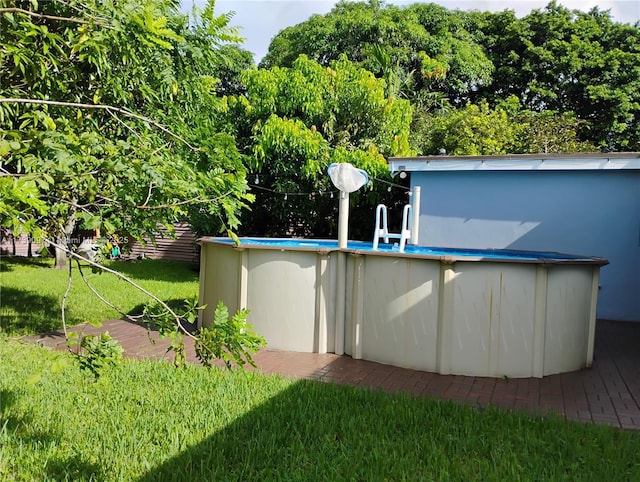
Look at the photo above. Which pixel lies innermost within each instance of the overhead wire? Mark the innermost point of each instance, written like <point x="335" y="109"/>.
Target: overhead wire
<point x="330" y="193"/>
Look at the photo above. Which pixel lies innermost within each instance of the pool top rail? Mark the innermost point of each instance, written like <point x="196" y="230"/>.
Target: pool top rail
<point x="444" y="254"/>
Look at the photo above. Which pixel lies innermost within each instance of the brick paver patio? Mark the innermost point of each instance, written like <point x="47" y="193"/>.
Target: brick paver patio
<point x="607" y="393"/>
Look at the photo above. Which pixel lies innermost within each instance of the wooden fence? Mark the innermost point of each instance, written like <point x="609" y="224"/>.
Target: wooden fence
<point x="182" y="248"/>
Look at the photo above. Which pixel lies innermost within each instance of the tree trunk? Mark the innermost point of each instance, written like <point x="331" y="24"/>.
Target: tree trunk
<point x="62" y="259"/>
<point x="61" y="256"/>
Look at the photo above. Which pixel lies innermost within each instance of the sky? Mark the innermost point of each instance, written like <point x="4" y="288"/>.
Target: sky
<point x="261" y="20"/>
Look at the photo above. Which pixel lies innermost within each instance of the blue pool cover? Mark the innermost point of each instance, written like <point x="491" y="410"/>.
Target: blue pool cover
<point x="428" y="251"/>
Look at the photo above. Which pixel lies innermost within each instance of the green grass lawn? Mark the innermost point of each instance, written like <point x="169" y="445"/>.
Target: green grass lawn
<point x="145" y="421"/>
<point x="31" y="292"/>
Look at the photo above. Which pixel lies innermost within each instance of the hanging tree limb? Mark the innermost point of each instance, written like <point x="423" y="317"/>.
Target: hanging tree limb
<point x="49" y="17"/>
<point x="164" y="305"/>
<point x="195" y="200"/>
<point x="108" y="108"/>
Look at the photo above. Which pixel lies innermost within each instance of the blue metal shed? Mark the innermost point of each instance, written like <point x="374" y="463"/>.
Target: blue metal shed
<point x="587" y="203"/>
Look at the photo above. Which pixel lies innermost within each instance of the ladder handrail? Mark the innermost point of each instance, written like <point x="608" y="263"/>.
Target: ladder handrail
<point x="382" y="231"/>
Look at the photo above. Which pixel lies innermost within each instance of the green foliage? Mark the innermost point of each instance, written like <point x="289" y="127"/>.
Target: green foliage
<point x="152" y="422"/>
<point x="294" y="122"/>
<point x="567" y="61"/>
<point x="578" y="66"/>
<point x="230" y="339"/>
<point x="478" y="129"/>
<point x="473" y="130"/>
<point x="113" y="118"/>
<point x="415" y="49"/>
<point x="172" y="322"/>
<point x="99" y="352"/>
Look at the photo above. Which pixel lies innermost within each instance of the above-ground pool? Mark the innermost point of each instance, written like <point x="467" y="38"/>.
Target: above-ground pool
<point x="452" y="311"/>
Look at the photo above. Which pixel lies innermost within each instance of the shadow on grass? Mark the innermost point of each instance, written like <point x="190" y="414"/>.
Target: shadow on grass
<point x="25" y="312"/>
<point x="157" y="269"/>
<point x="70" y="468"/>
<point x="319" y="431"/>
<point x="74" y="468"/>
<point x="322" y="431"/>
<point x="17" y="426"/>
<point x="7" y="263"/>
<point x="268" y="443"/>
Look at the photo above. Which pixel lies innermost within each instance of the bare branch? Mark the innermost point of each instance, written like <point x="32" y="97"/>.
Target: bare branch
<point x="108" y="199"/>
<point x="64" y="304"/>
<point x="128" y="280"/>
<point x="146" y="201"/>
<point x="102" y="298"/>
<point x="186" y="201"/>
<point x="137" y="134"/>
<point x="4" y="172"/>
<point x="194" y="200"/>
<point x="81" y="207"/>
<point x="98" y="19"/>
<point x="108" y="108"/>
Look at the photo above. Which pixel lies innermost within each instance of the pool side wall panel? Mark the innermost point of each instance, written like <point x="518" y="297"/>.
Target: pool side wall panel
<point x="567" y="333"/>
<point x="285" y="303"/>
<point x="477" y="318"/>
<point x="220" y="279"/>
<point x="399" y="300"/>
<point x="290" y="295"/>
<point x="493" y="319"/>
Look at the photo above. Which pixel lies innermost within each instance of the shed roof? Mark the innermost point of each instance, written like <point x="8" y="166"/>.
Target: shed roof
<point x="589" y="161"/>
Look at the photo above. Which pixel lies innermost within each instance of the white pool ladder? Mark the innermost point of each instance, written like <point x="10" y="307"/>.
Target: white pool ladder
<point x="382" y="230"/>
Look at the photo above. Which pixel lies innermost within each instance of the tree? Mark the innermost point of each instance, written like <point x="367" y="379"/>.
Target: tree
<point x="106" y="115"/>
<point x="293" y="122"/>
<point x="567" y="61"/>
<point x="424" y="41"/>
<point x="478" y="129"/>
<point x="233" y="62"/>
<point x="473" y="130"/>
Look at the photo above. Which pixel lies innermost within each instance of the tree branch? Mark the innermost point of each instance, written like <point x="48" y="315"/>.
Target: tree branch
<point x="146" y="201"/>
<point x="186" y="201"/>
<point x="128" y="280"/>
<point x="4" y="172"/>
<point x="49" y="17"/>
<point x="64" y="303"/>
<point x="108" y="108"/>
<point x="169" y="205"/>
<point x="102" y="298"/>
<point x="81" y="207"/>
<point x="125" y="124"/>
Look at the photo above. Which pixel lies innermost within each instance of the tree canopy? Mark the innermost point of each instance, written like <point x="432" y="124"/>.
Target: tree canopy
<point x="567" y="61"/>
<point x="108" y="118"/>
<point x="479" y="130"/>
<point x="422" y="42"/>
<point x="295" y="121"/>
<point x="576" y="65"/>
